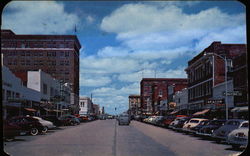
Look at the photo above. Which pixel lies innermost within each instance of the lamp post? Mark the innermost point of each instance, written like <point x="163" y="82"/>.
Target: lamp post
<point x="225" y="60"/>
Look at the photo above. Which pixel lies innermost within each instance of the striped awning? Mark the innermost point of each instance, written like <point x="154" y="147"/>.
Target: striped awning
<point x="30" y="109"/>
<point x="240" y="109"/>
<point x="174" y="112"/>
<point x="201" y="112"/>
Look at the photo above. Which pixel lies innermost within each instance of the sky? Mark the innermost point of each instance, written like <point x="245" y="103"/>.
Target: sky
<point x="125" y="41"/>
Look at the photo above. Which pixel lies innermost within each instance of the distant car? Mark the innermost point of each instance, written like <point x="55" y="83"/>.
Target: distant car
<point x="208" y="129"/>
<point x="199" y="126"/>
<point x="110" y="117"/>
<point x="28" y="125"/>
<point x="10" y="131"/>
<point x="69" y="120"/>
<point x="168" y="120"/>
<point x="179" y="125"/>
<point x="239" y="136"/>
<point x="47" y="124"/>
<point x="102" y="117"/>
<point x="221" y="133"/>
<point x="176" y="121"/>
<point x="124" y="119"/>
<point x="53" y="119"/>
<point x="191" y="124"/>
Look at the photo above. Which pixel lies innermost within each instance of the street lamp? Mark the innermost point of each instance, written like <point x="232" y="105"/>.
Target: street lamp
<point x="225" y="60"/>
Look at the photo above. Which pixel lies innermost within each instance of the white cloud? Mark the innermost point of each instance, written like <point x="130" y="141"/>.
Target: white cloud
<point x="94" y="81"/>
<point x="41" y="17"/>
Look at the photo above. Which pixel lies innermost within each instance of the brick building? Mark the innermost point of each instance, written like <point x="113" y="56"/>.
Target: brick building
<point x="57" y="55"/>
<point x="207" y="71"/>
<point x="134" y="104"/>
<point x="155" y="90"/>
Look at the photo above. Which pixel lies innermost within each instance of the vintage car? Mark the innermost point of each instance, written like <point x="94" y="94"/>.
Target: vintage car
<point x="221" y="133"/>
<point x="47" y="124"/>
<point x="69" y="120"/>
<point x="208" y="129"/>
<point x="192" y="123"/>
<point x="53" y="119"/>
<point x="10" y="131"/>
<point x="28" y="125"/>
<point x="239" y="136"/>
<point x="124" y="119"/>
<point x="176" y="121"/>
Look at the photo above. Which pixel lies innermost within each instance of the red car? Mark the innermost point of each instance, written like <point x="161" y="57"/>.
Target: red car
<point x="10" y="131"/>
<point x="28" y="124"/>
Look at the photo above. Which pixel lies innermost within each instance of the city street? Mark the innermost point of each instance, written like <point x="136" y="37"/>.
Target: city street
<point x="107" y="138"/>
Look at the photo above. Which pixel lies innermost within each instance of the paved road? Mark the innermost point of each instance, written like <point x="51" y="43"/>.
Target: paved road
<point x="106" y="138"/>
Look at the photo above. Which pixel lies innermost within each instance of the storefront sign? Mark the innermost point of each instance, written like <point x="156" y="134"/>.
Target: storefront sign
<point x="234" y="93"/>
<point x="218" y="101"/>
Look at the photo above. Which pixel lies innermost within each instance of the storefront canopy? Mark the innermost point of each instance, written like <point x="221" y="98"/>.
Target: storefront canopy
<point x="30" y="109"/>
<point x="240" y="109"/>
<point x="201" y="112"/>
<point x="174" y="112"/>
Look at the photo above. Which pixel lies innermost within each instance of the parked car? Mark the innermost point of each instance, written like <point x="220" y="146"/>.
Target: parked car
<point x="53" y="119"/>
<point x="69" y="120"/>
<point x="159" y="120"/>
<point x="176" y="121"/>
<point x="208" y="129"/>
<point x="47" y="124"/>
<point x="124" y="119"/>
<point x="168" y="120"/>
<point x="199" y="126"/>
<point x="191" y="124"/>
<point x="102" y="117"/>
<point x="178" y="126"/>
<point x="221" y="133"/>
<point x="239" y="136"/>
<point x="28" y="125"/>
<point x="10" y="131"/>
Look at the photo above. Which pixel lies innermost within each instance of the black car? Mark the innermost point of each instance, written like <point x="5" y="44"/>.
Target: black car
<point x="28" y="124"/>
<point x="53" y="119"/>
<point x="208" y="129"/>
<point x="69" y="120"/>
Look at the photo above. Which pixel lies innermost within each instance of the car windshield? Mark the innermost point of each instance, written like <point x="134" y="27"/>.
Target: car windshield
<point x="216" y="122"/>
<point x="233" y="123"/>
<point x="194" y="121"/>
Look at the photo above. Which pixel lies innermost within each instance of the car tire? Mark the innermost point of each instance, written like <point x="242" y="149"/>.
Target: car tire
<point x="234" y="146"/>
<point x="45" y="129"/>
<point x="34" y="131"/>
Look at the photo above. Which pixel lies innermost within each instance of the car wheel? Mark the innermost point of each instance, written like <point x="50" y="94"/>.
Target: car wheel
<point x="45" y="129"/>
<point x="34" y="131"/>
<point x="235" y="146"/>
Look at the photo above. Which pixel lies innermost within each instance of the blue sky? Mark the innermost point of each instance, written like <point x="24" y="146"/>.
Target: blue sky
<point x="124" y="41"/>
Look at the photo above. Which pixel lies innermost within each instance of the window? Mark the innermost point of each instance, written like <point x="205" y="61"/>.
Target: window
<point x="44" y="88"/>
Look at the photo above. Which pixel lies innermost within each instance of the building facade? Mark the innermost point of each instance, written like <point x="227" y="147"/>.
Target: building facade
<point x="85" y="105"/>
<point x="57" y="55"/>
<point x="180" y="98"/>
<point x="155" y="90"/>
<point x="134" y="104"/>
<point x="207" y="70"/>
<point x="17" y="99"/>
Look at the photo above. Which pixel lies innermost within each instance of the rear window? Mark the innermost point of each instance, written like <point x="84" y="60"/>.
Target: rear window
<point x="245" y="125"/>
<point x="194" y="121"/>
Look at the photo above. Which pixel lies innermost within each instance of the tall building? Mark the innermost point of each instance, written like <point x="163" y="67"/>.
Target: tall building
<point x="57" y="55"/>
<point x="155" y="90"/>
<point x="206" y="71"/>
<point x="86" y="106"/>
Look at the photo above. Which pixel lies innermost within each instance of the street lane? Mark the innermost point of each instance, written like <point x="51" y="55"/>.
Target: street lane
<point x="106" y="138"/>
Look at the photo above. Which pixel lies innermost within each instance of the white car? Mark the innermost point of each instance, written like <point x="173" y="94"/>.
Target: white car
<point x="124" y="119"/>
<point x="191" y="124"/>
<point x="47" y="124"/>
<point x="239" y="137"/>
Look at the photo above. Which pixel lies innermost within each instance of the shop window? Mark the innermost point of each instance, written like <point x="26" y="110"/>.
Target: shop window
<point x="44" y="88"/>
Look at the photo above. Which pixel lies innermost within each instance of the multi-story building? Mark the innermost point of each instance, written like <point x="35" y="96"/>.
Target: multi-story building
<point x="206" y="70"/>
<point x="96" y="109"/>
<point x="172" y="89"/>
<point x="85" y="105"/>
<point x="57" y="55"/>
<point x="180" y="98"/>
<point x="17" y="99"/>
<point x="155" y="90"/>
<point x="134" y="104"/>
<point x="240" y="83"/>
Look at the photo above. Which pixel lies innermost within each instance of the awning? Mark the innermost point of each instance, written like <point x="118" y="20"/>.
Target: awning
<point x="201" y="112"/>
<point x="240" y="109"/>
<point x="174" y="112"/>
<point x="30" y="109"/>
<point x="47" y="109"/>
<point x="57" y="110"/>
